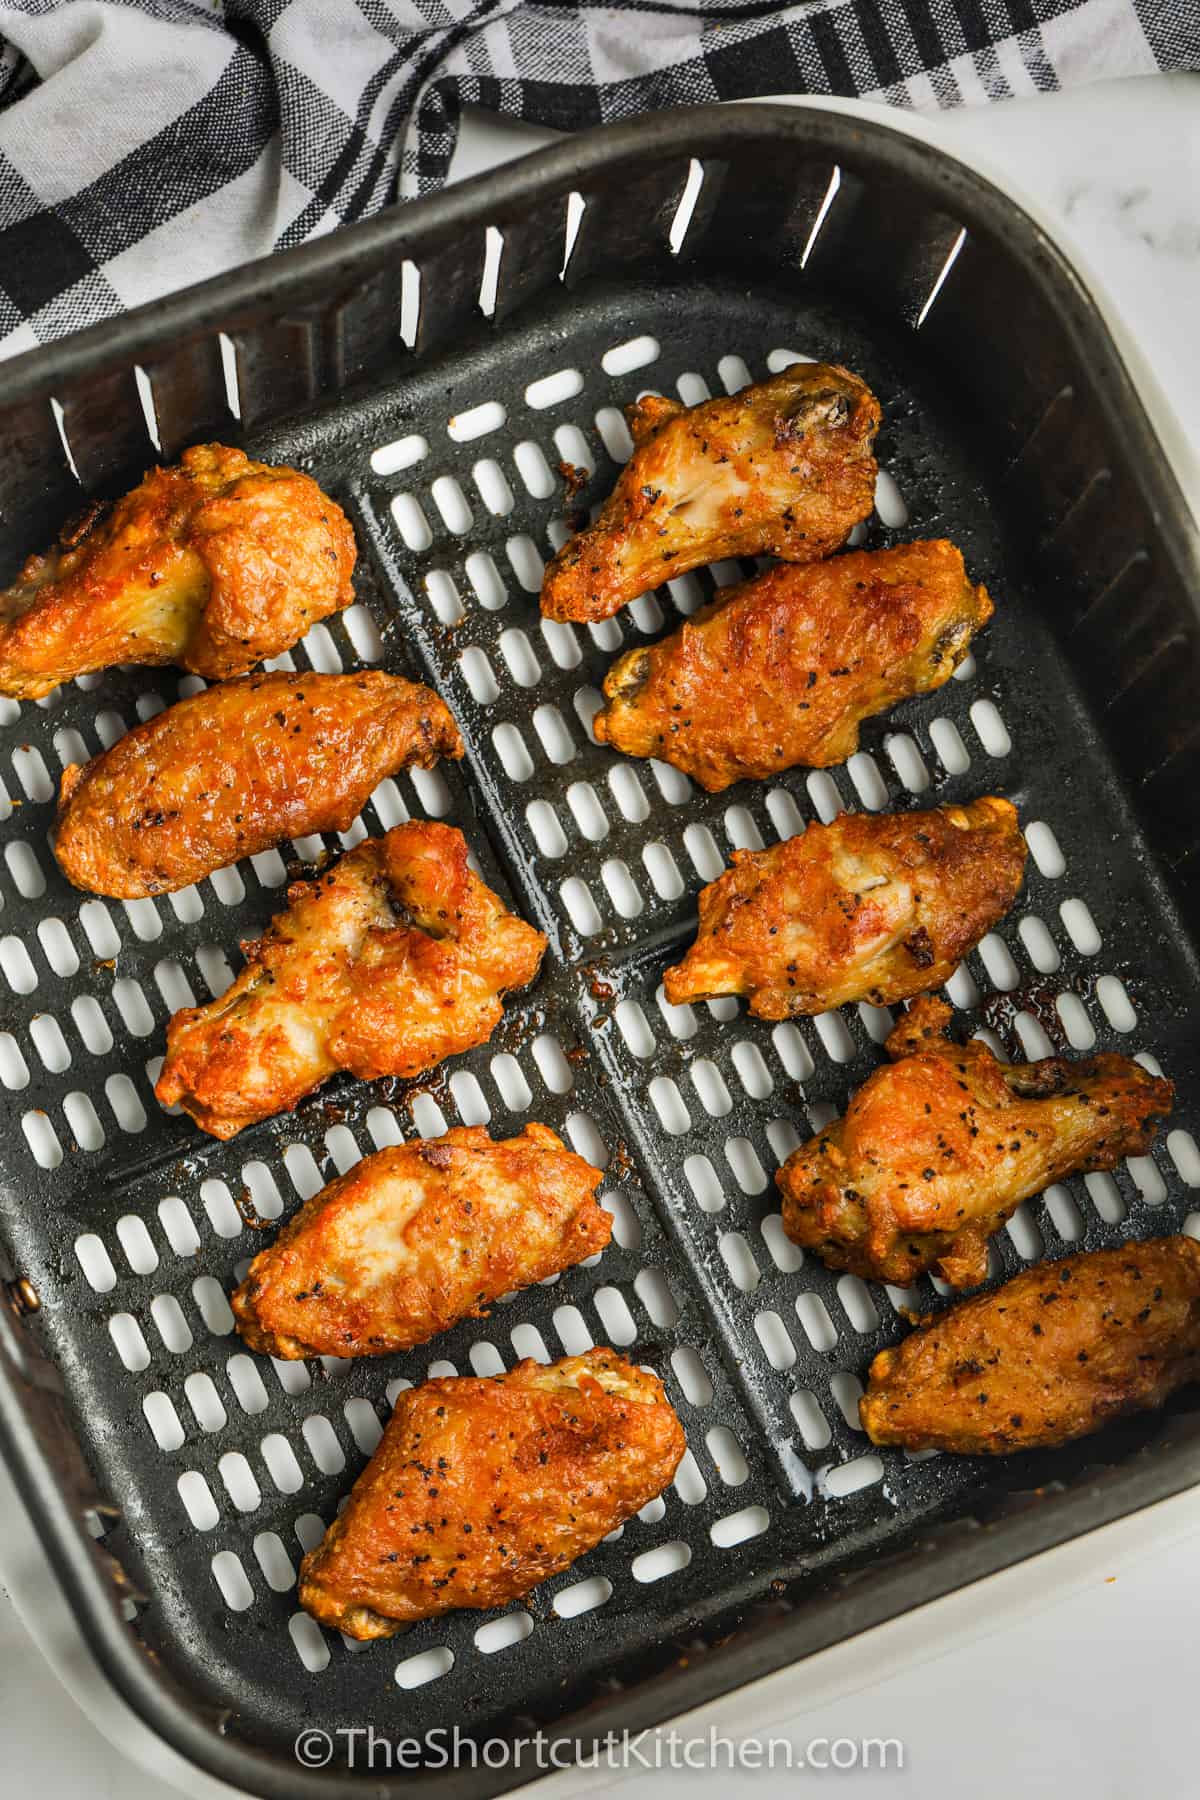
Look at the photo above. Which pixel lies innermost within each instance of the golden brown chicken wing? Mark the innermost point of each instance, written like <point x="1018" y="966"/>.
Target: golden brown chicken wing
<point x="871" y="907"/>
<point x="417" y="1237"/>
<point x="482" y="1488"/>
<point x="236" y="769"/>
<point x="212" y="565"/>
<point x="785" y="467"/>
<point x="784" y="669"/>
<point x="385" y="964"/>
<point x="1052" y="1355"/>
<point x="936" y="1151"/>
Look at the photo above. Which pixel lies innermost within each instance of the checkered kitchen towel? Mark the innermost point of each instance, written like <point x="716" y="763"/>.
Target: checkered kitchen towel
<point x="148" y="143"/>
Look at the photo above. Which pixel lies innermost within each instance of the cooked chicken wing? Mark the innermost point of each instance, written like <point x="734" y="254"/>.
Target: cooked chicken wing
<point x="212" y="565"/>
<point x="236" y="769"/>
<point x="936" y="1151"/>
<point x="784" y="467"/>
<point x="871" y="907"/>
<point x="784" y="669"/>
<point x="417" y="1237"/>
<point x="1052" y="1355"/>
<point x="481" y="1488"/>
<point x="385" y="964"/>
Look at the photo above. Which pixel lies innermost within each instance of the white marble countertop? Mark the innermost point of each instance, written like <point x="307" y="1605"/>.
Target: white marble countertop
<point x="1073" y="1673"/>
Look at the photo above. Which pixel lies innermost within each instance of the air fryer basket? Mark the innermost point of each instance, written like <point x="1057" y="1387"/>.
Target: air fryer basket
<point x="469" y="344"/>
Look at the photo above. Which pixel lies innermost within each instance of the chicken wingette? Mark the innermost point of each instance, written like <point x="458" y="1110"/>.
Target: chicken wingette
<point x="385" y="964"/>
<point x="875" y="906"/>
<point x="236" y="769"/>
<point x="481" y="1488"/>
<point x="939" y="1148"/>
<point x="1052" y="1355"/>
<point x="785" y="467"/>
<point x="417" y="1237"/>
<point x="783" y="670"/>
<point x="213" y="565"/>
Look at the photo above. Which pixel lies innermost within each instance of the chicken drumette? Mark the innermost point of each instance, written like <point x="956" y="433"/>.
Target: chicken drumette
<point x="481" y="1488"/>
<point x="783" y="669"/>
<point x="236" y="769"/>
<point x="386" y="963"/>
<point x="417" y="1237"/>
<point x="784" y="467"/>
<point x="213" y="565"/>
<point x="938" y="1149"/>
<point x="1052" y="1355"/>
<point x="871" y="907"/>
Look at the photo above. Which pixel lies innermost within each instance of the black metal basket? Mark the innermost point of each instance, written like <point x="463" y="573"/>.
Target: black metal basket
<point x="431" y="368"/>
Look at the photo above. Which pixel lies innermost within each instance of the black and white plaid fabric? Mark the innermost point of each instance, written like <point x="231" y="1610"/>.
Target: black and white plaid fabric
<point x="145" y="144"/>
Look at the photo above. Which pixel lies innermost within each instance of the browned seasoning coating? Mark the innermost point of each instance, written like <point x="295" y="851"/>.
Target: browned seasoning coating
<point x="1052" y="1355"/>
<point x="390" y="961"/>
<point x="413" y="1239"/>
<point x="871" y="907"/>
<point x="782" y="670"/>
<point x="237" y="769"/>
<point x="482" y="1488"/>
<point x="213" y="564"/>
<point x="939" y="1148"/>
<point x="784" y="467"/>
<point x="574" y="478"/>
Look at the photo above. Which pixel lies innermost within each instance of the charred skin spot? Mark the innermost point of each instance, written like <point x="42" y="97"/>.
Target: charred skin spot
<point x="634" y="673"/>
<point x="83" y="524"/>
<point x="438" y="1156"/>
<point x="952" y="643"/>
<point x="920" y="947"/>
<point x="825" y="410"/>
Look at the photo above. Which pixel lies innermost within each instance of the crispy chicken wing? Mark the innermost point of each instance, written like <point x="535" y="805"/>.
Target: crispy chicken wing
<point x="417" y="1237"/>
<point x="871" y="907"/>
<point x="212" y="565"/>
<point x="388" y="962"/>
<point x="938" y="1149"/>
<point x="1052" y="1355"/>
<point x="236" y="769"/>
<point x="784" y="669"/>
<point x="785" y="467"/>
<point x="481" y="1488"/>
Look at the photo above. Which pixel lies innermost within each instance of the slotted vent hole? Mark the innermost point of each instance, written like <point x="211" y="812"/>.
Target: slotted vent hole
<point x="582" y="1596"/>
<point x="811" y="1421"/>
<point x="500" y="1634"/>
<point x="477" y="421"/>
<point x="772" y="1335"/>
<point x="163" y="1421"/>
<point x="847" y="1391"/>
<point x="862" y="1472"/>
<point x="739" y="1527"/>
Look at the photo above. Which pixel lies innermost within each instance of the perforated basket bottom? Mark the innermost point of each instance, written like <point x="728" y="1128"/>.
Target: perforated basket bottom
<point x="134" y="1228"/>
